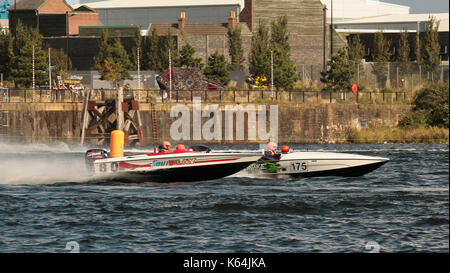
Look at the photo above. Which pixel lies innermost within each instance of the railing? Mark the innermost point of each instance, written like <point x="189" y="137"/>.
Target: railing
<point x="226" y="96"/>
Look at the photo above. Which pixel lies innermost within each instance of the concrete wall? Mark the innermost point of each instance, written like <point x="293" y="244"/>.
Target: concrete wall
<point x="321" y="123"/>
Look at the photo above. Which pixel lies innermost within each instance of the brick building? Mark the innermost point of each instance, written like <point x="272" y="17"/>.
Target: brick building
<point x="206" y="38"/>
<point x="53" y="18"/>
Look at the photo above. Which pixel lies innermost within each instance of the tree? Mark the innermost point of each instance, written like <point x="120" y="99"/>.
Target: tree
<point x="22" y="71"/>
<point x="236" y="49"/>
<point x="340" y="72"/>
<point x="431" y="48"/>
<point x="381" y="56"/>
<point x="355" y="49"/>
<point x="6" y="53"/>
<point x="217" y="69"/>
<point x="112" y="60"/>
<point x="152" y="59"/>
<point x="111" y="70"/>
<point x="403" y="52"/>
<point x="279" y="33"/>
<point x="167" y="43"/>
<point x="61" y="63"/>
<point x="259" y="57"/>
<point x="187" y="59"/>
<point x="284" y="70"/>
<point x="137" y="41"/>
<point x="21" y="54"/>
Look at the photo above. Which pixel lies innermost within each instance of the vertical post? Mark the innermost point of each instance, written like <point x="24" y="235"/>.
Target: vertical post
<point x="324" y="38"/>
<point x="271" y="70"/>
<point x="170" y="74"/>
<point x="396" y="78"/>
<point x="358" y="74"/>
<point x="119" y="112"/>
<point x="85" y="117"/>
<point x="34" y="79"/>
<point x="139" y="73"/>
<point x="331" y="30"/>
<point x="49" y="71"/>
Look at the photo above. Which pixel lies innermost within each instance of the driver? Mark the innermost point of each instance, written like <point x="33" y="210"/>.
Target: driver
<point x="271" y="152"/>
<point x="165" y="147"/>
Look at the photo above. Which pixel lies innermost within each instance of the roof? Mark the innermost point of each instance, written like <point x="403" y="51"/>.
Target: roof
<point x="196" y="28"/>
<point x="443" y="18"/>
<point x="111" y="4"/>
<point x="350" y="9"/>
<point x="31" y="5"/>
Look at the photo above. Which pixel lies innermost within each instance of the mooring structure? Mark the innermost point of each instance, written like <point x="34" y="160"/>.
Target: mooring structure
<point x="105" y="111"/>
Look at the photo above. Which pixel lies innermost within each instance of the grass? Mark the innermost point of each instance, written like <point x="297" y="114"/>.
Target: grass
<point x="396" y="135"/>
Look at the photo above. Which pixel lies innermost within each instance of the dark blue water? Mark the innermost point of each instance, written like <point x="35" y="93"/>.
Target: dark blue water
<point x="46" y="202"/>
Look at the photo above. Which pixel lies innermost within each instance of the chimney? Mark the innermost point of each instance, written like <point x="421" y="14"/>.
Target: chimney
<point x="182" y="20"/>
<point x="232" y="20"/>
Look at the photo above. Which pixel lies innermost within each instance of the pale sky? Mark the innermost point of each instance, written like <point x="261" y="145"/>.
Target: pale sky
<point x="417" y="6"/>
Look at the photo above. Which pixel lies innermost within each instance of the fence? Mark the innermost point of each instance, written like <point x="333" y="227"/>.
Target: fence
<point x="225" y="96"/>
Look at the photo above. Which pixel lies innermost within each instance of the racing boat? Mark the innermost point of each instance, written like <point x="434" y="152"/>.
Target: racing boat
<point x="175" y="166"/>
<point x="315" y="164"/>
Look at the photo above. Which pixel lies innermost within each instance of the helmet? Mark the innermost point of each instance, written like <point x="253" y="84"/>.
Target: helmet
<point x="181" y="147"/>
<point x="285" y="149"/>
<point x="166" y="145"/>
<point x="272" y="146"/>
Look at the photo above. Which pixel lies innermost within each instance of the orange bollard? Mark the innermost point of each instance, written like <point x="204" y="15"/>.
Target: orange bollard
<point x="117" y="144"/>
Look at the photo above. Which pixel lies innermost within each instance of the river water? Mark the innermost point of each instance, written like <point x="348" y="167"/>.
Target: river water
<point x="47" y="203"/>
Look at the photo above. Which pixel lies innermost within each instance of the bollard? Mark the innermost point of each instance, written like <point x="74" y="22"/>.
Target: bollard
<point x="117" y="143"/>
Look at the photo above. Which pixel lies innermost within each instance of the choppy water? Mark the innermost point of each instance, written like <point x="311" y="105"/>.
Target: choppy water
<point x="45" y="202"/>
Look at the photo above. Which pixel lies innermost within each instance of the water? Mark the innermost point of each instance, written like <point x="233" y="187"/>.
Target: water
<point x="46" y="202"/>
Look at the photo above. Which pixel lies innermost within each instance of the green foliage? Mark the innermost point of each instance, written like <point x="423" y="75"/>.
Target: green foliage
<point x="22" y="71"/>
<point x="403" y="52"/>
<point x="167" y="43"/>
<point x="431" y="107"/>
<point x="20" y="52"/>
<point x="217" y="69"/>
<point x="5" y="53"/>
<point x="61" y="62"/>
<point x="284" y="70"/>
<point x="431" y="47"/>
<point x="259" y="58"/>
<point x="137" y="40"/>
<point x="187" y="58"/>
<point x="340" y="72"/>
<point x="279" y="33"/>
<point x="152" y="59"/>
<point x="355" y="49"/>
<point x="236" y="49"/>
<point x="381" y="55"/>
<point x="112" y="56"/>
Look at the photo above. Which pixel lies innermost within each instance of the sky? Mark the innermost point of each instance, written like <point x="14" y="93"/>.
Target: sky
<point x="417" y="6"/>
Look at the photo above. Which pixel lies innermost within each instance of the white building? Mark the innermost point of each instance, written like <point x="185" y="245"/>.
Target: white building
<point x="353" y="9"/>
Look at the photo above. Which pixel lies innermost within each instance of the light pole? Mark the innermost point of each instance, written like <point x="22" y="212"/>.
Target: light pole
<point x="170" y="74"/>
<point x="331" y="29"/>
<point x="139" y="73"/>
<point x="271" y="70"/>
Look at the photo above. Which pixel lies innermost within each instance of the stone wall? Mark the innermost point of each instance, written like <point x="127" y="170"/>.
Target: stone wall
<point x="298" y="123"/>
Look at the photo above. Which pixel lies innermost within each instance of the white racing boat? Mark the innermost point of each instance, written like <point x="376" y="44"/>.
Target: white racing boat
<point x="315" y="164"/>
<point x="175" y="166"/>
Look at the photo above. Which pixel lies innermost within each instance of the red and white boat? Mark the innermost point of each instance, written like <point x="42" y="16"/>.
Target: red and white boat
<point x="175" y="166"/>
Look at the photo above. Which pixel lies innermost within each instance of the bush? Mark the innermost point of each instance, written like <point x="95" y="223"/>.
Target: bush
<point x="431" y="107"/>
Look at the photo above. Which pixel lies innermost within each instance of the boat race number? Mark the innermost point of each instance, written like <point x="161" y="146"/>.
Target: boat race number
<point x="298" y="166"/>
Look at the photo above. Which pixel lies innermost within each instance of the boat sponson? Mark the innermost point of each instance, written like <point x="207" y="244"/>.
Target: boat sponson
<point x="344" y="172"/>
<point x="191" y="174"/>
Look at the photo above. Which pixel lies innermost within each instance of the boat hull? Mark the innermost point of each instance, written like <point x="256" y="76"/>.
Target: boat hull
<point x="185" y="167"/>
<point x="317" y="164"/>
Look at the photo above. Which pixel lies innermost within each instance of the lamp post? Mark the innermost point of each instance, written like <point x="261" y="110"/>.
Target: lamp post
<point x="331" y="29"/>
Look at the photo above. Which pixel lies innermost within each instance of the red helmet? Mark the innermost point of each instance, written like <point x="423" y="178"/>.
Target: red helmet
<point x="285" y="149"/>
<point x="166" y="145"/>
<point x="181" y="147"/>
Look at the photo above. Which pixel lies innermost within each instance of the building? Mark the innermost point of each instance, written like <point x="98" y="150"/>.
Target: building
<point x="53" y="18"/>
<point x="354" y="9"/>
<point x="392" y="25"/>
<point x="145" y="12"/>
<point x="206" y="38"/>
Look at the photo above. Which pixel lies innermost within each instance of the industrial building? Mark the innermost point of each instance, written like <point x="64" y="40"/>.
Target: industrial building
<point x="392" y="25"/>
<point x="142" y="13"/>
